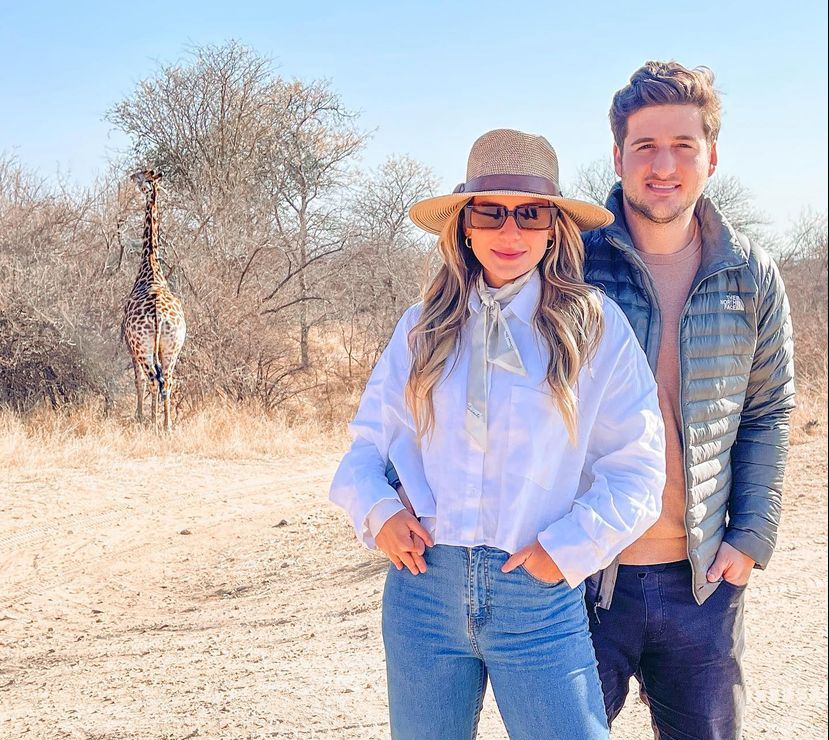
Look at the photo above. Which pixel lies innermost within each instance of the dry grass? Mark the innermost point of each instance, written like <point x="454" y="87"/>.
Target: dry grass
<point x="82" y="437"/>
<point x="810" y="415"/>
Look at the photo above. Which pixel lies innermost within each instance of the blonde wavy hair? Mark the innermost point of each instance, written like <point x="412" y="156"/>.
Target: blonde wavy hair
<point x="569" y="319"/>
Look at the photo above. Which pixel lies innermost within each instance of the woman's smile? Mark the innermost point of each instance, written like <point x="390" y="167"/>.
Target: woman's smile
<point x="507" y="255"/>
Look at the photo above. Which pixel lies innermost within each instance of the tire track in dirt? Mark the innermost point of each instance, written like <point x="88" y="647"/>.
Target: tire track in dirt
<point x="40" y="533"/>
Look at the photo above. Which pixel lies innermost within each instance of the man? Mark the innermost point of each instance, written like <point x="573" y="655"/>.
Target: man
<point x="710" y="310"/>
<point x="711" y="313"/>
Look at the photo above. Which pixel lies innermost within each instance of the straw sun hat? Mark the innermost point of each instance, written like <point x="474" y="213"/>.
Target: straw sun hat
<point x="508" y="162"/>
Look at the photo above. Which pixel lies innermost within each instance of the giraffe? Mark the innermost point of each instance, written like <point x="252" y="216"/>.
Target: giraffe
<point x="153" y="325"/>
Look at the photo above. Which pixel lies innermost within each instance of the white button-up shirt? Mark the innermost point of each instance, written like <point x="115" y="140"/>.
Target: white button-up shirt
<point x="585" y="501"/>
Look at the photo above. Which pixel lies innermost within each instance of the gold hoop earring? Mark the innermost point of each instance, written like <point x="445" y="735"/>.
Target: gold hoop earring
<point x="468" y="242"/>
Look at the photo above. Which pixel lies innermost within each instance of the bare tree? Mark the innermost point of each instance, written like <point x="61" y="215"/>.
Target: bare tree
<point x="258" y="171"/>
<point x="381" y="273"/>
<point x="305" y="174"/>
<point x="203" y="123"/>
<point x="802" y="257"/>
<point x="736" y="203"/>
<point x="806" y="241"/>
<point x="594" y="181"/>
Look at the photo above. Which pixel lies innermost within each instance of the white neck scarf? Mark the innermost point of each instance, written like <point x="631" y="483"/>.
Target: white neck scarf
<point x="491" y="342"/>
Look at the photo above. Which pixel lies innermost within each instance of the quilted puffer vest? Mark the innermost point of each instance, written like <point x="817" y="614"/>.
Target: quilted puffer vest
<point x="736" y="388"/>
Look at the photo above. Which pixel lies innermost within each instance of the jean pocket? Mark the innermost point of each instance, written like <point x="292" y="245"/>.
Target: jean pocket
<point x="538" y="581"/>
<point x="734" y="586"/>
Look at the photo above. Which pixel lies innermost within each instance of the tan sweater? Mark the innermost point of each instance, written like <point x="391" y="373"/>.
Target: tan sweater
<point x="672" y="275"/>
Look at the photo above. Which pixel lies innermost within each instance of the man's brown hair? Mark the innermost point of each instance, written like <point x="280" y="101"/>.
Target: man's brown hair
<point x="667" y="83"/>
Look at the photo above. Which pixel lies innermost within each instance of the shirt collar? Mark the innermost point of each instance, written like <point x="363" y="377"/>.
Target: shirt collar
<point x="523" y="306"/>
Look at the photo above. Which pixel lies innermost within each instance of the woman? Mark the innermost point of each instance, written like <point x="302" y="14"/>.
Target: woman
<point x="522" y="419"/>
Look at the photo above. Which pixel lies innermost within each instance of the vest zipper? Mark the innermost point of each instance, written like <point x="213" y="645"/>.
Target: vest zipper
<point x="649" y="287"/>
<point x="596" y="604"/>
<point x="654" y="303"/>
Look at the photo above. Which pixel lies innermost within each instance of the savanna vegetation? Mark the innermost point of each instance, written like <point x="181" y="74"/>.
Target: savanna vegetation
<point x="293" y="262"/>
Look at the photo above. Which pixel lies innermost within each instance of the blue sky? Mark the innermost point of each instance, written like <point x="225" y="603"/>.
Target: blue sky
<point x="429" y="77"/>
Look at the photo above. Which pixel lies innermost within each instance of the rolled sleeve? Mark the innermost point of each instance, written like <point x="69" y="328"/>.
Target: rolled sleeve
<point x="380" y="513"/>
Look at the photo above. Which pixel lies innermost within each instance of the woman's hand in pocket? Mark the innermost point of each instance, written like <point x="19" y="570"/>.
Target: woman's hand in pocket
<point x="536" y="561"/>
<point x="404" y="540"/>
<point x="420" y="546"/>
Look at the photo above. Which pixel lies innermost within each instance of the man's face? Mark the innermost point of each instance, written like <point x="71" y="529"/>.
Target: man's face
<point x="664" y="161"/>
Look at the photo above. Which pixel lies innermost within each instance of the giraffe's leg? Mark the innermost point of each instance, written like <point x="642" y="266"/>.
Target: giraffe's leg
<point x="161" y="391"/>
<point x="154" y="396"/>
<point x="149" y="373"/>
<point x="168" y="395"/>
<point x="140" y="387"/>
<point x="148" y="369"/>
<point x="167" y="420"/>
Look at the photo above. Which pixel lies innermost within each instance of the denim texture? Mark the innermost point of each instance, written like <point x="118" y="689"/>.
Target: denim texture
<point x="462" y="623"/>
<point x="686" y="656"/>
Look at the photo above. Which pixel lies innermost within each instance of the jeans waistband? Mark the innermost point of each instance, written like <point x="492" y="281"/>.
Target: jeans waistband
<point x="656" y="567"/>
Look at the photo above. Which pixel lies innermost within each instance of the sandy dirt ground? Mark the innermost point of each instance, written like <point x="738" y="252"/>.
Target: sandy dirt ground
<point x="178" y="597"/>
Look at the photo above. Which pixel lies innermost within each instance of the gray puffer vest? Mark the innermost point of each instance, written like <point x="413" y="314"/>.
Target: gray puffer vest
<point x="736" y="385"/>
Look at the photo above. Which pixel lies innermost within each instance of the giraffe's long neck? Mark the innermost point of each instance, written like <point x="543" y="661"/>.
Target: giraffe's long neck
<point x="150" y="268"/>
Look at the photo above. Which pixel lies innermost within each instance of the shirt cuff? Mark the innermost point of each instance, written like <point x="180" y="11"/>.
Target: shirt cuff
<point x="571" y="550"/>
<point x="380" y="513"/>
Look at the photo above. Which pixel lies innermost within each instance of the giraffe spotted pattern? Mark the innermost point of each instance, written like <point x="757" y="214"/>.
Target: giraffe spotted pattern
<point x="153" y="325"/>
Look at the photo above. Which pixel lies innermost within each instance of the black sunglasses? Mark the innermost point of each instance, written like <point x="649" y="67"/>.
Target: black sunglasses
<point x="531" y="217"/>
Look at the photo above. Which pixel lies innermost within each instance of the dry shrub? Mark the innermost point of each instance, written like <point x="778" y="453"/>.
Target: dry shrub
<point x="334" y="382"/>
<point x="809" y="317"/>
<point x="40" y="362"/>
<point x="58" y="322"/>
<point x="804" y="269"/>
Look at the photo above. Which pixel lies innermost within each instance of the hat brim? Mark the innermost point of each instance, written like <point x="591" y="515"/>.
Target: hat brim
<point x="432" y="214"/>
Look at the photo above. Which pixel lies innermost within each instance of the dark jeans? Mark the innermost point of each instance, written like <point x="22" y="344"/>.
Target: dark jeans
<point x="686" y="657"/>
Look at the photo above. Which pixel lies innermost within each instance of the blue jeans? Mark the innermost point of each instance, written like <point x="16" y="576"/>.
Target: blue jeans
<point x="685" y="656"/>
<point x="447" y="630"/>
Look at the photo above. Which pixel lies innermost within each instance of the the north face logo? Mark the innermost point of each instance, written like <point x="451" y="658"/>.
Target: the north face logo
<point x="733" y="302"/>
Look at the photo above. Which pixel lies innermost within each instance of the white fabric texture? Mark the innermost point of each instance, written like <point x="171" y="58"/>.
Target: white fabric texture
<point x="583" y="501"/>
<point x="492" y="342"/>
